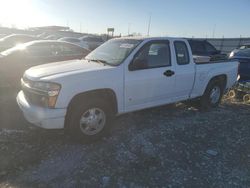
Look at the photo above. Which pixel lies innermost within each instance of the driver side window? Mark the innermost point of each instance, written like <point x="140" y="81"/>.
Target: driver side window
<point x="152" y="55"/>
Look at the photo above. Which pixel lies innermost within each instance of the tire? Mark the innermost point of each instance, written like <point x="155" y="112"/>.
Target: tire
<point x="89" y="121"/>
<point x="246" y="98"/>
<point x="231" y="94"/>
<point x="212" y="95"/>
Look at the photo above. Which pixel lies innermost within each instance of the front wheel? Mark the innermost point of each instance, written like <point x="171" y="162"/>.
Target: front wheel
<point x="90" y="120"/>
<point x="212" y="95"/>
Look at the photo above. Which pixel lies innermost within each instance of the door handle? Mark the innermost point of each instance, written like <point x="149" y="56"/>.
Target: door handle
<point x="168" y="73"/>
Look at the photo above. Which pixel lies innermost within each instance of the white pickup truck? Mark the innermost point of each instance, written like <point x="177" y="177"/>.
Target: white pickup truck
<point x="120" y="76"/>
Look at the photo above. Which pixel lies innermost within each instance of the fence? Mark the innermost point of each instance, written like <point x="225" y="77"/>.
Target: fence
<point x="226" y="45"/>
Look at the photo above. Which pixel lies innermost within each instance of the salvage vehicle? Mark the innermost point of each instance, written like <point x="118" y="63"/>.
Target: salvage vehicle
<point x="243" y="56"/>
<point x="14" y="61"/>
<point x="15" y="39"/>
<point x="92" y="42"/>
<point x="120" y="76"/>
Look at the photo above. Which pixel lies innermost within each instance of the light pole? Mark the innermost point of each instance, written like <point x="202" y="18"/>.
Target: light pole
<point x="149" y="23"/>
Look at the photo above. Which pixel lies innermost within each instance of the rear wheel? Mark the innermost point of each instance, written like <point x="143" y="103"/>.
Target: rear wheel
<point x="212" y="95"/>
<point x="89" y="121"/>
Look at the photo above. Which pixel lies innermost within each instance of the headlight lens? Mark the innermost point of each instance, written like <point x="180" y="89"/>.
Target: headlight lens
<point x="45" y="93"/>
<point x="52" y="89"/>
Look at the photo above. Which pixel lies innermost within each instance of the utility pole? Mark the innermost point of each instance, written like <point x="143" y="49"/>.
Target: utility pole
<point x="149" y="23"/>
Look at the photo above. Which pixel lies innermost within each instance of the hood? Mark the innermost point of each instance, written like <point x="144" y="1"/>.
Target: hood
<point x="52" y="69"/>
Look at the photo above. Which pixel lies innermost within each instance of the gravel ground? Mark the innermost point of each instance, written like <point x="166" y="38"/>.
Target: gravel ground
<point x="169" y="146"/>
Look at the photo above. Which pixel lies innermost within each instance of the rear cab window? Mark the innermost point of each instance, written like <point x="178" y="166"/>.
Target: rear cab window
<point x="182" y="54"/>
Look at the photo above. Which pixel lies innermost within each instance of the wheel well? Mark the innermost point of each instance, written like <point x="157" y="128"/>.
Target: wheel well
<point x="222" y="79"/>
<point x="106" y="94"/>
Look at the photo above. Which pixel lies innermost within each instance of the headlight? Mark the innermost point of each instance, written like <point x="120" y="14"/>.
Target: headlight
<point x="43" y="93"/>
<point x="51" y="91"/>
<point x="231" y="55"/>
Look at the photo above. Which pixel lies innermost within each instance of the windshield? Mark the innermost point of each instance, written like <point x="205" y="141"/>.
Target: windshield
<point x="114" y="52"/>
<point x="18" y="47"/>
<point x="70" y="40"/>
<point x="243" y="53"/>
<point x="244" y="47"/>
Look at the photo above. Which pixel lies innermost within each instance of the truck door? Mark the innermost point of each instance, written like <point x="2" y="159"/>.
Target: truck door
<point x="185" y="71"/>
<point x="150" y="78"/>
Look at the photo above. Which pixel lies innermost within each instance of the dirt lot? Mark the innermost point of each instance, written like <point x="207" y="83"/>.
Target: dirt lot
<point x="161" y="147"/>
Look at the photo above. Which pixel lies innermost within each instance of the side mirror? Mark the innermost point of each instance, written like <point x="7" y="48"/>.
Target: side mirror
<point x="137" y="64"/>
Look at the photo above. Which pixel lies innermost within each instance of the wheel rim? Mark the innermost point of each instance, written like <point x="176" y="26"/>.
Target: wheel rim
<point x="92" y="121"/>
<point x="215" y="95"/>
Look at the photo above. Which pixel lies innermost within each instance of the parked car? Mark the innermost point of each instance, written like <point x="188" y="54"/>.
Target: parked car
<point x="121" y="76"/>
<point x="243" y="56"/>
<point x="75" y="41"/>
<point x="204" y="48"/>
<point x="14" y="61"/>
<point x="92" y="42"/>
<point x="2" y="35"/>
<point x="13" y="40"/>
<point x="242" y="47"/>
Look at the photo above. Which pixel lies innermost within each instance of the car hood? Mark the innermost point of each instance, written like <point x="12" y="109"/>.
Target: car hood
<point x="63" y="67"/>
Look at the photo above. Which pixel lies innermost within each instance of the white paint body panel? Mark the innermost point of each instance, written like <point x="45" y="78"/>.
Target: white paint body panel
<point x="134" y="90"/>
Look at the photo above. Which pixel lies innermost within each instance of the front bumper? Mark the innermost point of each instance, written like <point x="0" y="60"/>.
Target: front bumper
<point x="41" y="117"/>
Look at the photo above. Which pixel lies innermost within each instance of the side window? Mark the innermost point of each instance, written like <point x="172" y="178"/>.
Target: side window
<point x="181" y="51"/>
<point x="68" y="50"/>
<point x="153" y="55"/>
<point x="197" y="48"/>
<point x="210" y="48"/>
<point x="41" y="50"/>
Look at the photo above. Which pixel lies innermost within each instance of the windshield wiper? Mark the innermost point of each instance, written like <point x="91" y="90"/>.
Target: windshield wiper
<point x="98" y="61"/>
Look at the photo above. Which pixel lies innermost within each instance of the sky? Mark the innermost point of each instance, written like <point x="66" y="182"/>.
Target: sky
<point x="181" y="18"/>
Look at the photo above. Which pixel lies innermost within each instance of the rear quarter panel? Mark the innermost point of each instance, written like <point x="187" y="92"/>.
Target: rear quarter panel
<point x="205" y="72"/>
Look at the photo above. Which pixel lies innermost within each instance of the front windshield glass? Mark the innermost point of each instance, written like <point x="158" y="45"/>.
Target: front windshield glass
<point x="243" y="53"/>
<point x="114" y="51"/>
<point x="18" y="47"/>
